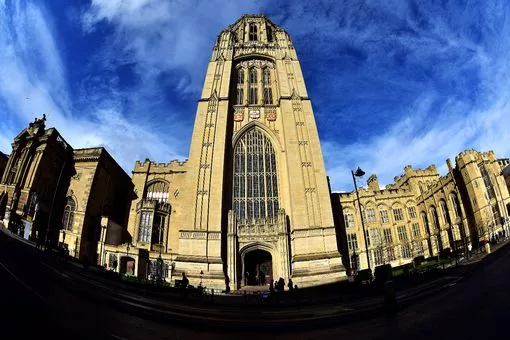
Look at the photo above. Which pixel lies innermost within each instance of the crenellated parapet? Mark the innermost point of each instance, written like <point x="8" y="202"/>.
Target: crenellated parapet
<point x="153" y="167"/>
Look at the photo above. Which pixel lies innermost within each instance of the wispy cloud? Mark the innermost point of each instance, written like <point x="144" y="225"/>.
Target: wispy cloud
<point x="33" y="80"/>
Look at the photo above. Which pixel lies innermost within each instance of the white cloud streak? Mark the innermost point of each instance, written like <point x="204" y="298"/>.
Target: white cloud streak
<point x="33" y="81"/>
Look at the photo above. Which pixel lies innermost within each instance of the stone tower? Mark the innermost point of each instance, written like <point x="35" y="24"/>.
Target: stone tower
<point x="257" y="202"/>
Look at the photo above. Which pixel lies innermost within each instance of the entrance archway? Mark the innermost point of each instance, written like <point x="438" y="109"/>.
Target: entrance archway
<point x="127" y="265"/>
<point x="258" y="268"/>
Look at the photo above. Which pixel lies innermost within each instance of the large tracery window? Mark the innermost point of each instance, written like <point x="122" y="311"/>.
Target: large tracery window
<point x="157" y="191"/>
<point x="255" y="177"/>
<point x="68" y="218"/>
<point x="253" y="86"/>
<point x="266" y="83"/>
<point x="240" y="87"/>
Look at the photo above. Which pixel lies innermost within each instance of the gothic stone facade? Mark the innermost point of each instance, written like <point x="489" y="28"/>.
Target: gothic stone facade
<point x="422" y="213"/>
<point x="50" y="193"/>
<point x="97" y="205"/>
<point x="33" y="185"/>
<point x="255" y="181"/>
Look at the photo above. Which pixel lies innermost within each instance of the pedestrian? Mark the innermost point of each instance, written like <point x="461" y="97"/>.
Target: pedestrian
<point x="290" y="285"/>
<point x="281" y="284"/>
<point x="185" y="281"/>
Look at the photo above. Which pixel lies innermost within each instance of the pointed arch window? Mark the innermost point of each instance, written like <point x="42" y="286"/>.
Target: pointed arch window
<point x="456" y="205"/>
<point x="444" y="209"/>
<point x="253" y="32"/>
<point x="255" y="192"/>
<point x="240" y="87"/>
<point x="266" y="83"/>
<point x="68" y="218"/>
<point x="253" y="86"/>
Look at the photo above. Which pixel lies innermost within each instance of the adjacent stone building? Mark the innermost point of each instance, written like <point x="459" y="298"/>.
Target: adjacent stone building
<point x="97" y="205"/>
<point x="3" y="163"/>
<point x="423" y="213"/>
<point x="32" y="188"/>
<point x="52" y="194"/>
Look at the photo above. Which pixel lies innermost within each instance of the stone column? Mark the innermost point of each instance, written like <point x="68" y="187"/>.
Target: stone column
<point x="283" y="245"/>
<point x="232" y="251"/>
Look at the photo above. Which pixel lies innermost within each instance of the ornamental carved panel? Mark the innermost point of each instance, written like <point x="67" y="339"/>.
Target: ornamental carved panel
<point x="239" y="116"/>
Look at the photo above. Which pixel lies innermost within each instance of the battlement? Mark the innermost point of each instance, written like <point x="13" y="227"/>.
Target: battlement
<point x="409" y="172"/>
<point x="471" y="155"/>
<point x="172" y="166"/>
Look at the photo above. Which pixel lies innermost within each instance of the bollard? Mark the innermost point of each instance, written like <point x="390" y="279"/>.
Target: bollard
<point x="212" y="295"/>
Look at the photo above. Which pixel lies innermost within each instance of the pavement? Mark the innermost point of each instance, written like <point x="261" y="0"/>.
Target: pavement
<point x="42" y="294"/>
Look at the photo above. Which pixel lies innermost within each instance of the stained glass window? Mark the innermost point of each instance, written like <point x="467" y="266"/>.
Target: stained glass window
<point x="255" y="192"/>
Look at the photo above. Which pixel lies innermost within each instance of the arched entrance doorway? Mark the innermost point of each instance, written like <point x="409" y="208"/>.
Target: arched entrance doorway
<point x="127" y="265"/>
<point x="258" y="268"/>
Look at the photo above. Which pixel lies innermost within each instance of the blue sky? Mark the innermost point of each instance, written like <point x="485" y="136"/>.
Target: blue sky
<point x="392" y="82"/>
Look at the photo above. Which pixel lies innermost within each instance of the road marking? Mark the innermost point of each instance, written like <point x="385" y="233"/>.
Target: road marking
<point x="23" y="283"/>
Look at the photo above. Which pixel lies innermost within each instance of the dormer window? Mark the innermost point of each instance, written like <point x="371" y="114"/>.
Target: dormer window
<point x="253" y="32"/>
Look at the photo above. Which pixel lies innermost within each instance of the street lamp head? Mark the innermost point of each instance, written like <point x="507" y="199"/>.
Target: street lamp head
<point x="359" y="172"/>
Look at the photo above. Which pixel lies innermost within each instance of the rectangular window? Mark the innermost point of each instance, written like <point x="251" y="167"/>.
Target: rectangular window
<point x="486" y="181"/>
<point x="388" y="238"/>
<point x="397" y="214"/>
<point x="145" y="228"/>
<point x="418" y="249"/>
<point x="495" y="214"/>
<point x="402" y="234"/>
<point x="355" y="263"/>
<point x="391" y="254"/>
<point x="367" y="237"/>
<point x="370" y="215"/>
<point x="375" y="237"/>
<point x="384" y="216"/>
<point x="406" y="251"/>
<point x="416" y="230"/>
<point x="352" y="242"/>
<point x="379" y="257"/>
<point x="412" y="212"/>
<point x="349" y="220"/>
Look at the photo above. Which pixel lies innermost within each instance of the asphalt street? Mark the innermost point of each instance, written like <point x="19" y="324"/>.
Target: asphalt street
<point x="40" y="296"/>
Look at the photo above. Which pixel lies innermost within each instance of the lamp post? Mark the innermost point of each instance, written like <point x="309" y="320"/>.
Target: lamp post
<point x="360" y="173"/>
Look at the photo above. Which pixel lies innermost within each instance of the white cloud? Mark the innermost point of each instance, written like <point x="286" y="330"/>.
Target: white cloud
<point x="33" y="81"/>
